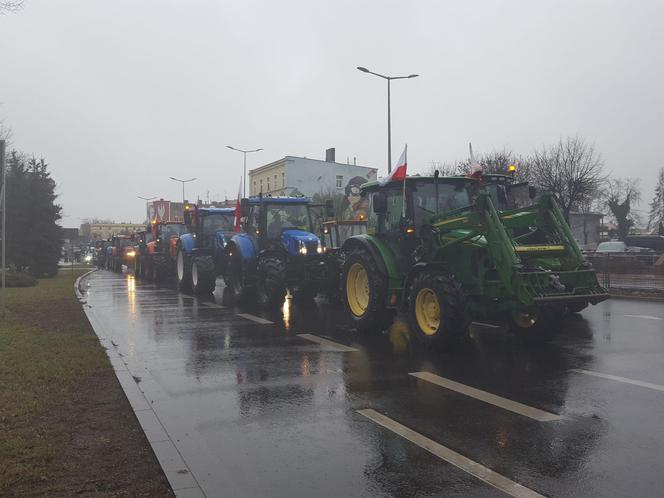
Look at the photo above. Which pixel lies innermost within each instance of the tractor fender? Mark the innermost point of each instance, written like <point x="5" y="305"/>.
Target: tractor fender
<point x="245" y="245"/>
<point x="381" y="254"/>
<point x="187" y="242"/>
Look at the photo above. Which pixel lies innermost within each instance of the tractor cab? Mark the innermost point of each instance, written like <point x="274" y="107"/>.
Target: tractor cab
<point x="283" y="223"/>
<point x="212" y="227"/>
<point x="163" y="236"/>
<point x="335" y="232"/>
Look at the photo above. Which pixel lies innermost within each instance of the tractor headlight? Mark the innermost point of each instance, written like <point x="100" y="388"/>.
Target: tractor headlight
<point x="319" y="248"/>
<point x="131" y="254"/>
<point x="302" y="248"/>
<point x="88" y="258"/>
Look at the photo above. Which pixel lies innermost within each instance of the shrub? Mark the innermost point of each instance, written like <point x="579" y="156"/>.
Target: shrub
<point x="19" y="279"/>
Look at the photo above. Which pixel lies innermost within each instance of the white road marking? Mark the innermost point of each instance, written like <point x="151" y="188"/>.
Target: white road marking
<point x="254" y="318"/>
<point x="329" y="345"/>
<point x="507" y="404"/>
<point x="625" y="380"/>
<point x="647" y="317"/>
<point x="466" y="464"/>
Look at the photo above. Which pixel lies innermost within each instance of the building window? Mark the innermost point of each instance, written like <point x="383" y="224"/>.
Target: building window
<point x="340" y="181"/>
<point x="268" y="183"/>
<point x="261" y="180"/>
<point x="275" y="181"/>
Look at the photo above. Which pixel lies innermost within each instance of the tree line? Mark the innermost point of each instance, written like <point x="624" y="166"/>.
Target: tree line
<point x="33" y="235"/>
<point x="573" y="171"/>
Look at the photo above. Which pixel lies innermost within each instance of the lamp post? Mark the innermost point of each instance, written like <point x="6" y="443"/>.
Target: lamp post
<point x="244" y="170"/>
<point x="389" y="126"/>
<point x="183" y="182"/>
<point x="147" y="211"/>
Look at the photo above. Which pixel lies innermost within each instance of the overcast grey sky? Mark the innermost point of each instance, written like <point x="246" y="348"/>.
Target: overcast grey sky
<point x="118" y="95"/>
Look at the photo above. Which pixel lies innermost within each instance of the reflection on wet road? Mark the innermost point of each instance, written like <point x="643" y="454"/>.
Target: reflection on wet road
<point x="293" y="402"/>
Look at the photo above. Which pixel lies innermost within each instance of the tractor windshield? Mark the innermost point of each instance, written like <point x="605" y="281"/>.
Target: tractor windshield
<point x="215" y="222"/>
<point x="450" y="196"/>
<point x="284" y="216"/>
<point x="170" y="231"/>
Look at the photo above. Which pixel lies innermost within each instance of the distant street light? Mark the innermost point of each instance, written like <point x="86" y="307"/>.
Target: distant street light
<point x="389" y="126"/>
<point x="183" y="182"/>
<point x="147" y="211"/>
<point x="244" y="170"/>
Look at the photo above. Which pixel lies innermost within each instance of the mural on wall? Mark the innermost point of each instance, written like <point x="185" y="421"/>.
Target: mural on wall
<point x="354" y="206"/>
<point x="160" y="211"/>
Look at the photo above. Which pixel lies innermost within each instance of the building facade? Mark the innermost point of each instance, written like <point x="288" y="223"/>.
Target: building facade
<point x="314" y="178"/>
<point x="587" y="229"/>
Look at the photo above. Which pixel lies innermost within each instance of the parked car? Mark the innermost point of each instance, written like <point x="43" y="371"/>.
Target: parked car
<point x="620" y="246"/>
<point x="652" y="242"/>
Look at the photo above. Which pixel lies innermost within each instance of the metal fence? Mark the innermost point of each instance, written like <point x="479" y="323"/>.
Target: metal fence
<point x="630" y="271"/>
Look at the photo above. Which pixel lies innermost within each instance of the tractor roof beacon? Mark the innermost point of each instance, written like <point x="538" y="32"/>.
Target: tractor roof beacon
<point x="454" y="258"/>
<point x="277" y="250"/>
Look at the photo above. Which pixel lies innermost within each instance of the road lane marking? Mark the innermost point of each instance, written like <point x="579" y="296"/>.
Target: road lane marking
<point x="331" y="345"/>
<point x="625" y="380"/>
<point x="450" y="456"/>
<point x="255" y="318"/>
<point x="647" y="317"/>
<point x="507" y="404"/>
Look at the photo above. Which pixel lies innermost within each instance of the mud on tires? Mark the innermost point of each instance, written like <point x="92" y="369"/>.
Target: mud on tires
<point x="270" y="280"/>
<point x="437" y="310"/>
<point x="364" y="292"/>
<point x="203" y="275"/>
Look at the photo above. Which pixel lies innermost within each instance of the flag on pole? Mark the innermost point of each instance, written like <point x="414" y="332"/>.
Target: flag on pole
<point x="399" y="172"/>
<point x="238" y="211"/>
<point x="474" y="168"/>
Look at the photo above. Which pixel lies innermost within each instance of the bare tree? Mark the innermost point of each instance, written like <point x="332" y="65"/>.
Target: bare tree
<point x="570" y="170"/>
<point x="10" y="5"/>
<point x="445" y="169"/>
<point x="656" y="215"/>
<point x="499" y="161"/>
<point x="620" y="194"/>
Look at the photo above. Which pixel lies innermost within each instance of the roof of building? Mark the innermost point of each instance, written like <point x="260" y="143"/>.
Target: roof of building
<point x="287" y="158"/>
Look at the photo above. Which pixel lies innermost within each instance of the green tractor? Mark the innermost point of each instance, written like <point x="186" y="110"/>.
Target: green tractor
<point x="438" y="250"/>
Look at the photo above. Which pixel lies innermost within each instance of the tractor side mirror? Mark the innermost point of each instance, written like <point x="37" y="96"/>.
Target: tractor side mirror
<point x="379" y="203"/>
<point x="532" y="192"/>
<point x="244" y="208"/>
<point x="329" y="208"/>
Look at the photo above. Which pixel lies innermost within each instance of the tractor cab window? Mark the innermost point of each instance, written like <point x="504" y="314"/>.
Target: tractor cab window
<point x="450" y="196"/>
<point x="498" y="194"/>
<point x="284" y="216"/>
<point x="170" y="231"/>
<point x="394" y="209"/>
<point x="215" y="222"/>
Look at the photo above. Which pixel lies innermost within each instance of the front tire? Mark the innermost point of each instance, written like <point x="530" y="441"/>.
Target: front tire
<point x="437" y="310"/>
<point x="183" y="270"/>
<point x="364" y="290"/>
<point x="158" y="268"/>
<point x="270" y="281"/>
<point x="203" y="275"/>
<point x="234" y="274"/>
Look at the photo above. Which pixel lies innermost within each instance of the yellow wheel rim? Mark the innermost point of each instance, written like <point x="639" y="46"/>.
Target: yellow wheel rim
<point x="357" y="289"/>
<point x="524" y="320"/>
<point x="427" y="311"/>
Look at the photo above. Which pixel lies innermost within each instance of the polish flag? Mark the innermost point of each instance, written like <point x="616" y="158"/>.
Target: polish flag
<point x="238" y="212"/>
<point x="399" y="173"/>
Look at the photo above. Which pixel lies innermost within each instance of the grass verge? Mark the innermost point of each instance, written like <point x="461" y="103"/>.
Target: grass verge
<point x="66" y="427"/>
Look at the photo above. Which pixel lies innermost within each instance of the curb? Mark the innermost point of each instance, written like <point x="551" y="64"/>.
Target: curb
<point x="77" y="284"/>
<point x="180" y="477"/>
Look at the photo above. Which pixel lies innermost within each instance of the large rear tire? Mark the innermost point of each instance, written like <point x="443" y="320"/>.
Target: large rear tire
<point x="364" y="290"/>
<point x="437" y="310"/>
<point x="538" y="325"/>
<point x="271" y="280"/>
<point x="183" y="270"/>
<point x="203" y="275"/>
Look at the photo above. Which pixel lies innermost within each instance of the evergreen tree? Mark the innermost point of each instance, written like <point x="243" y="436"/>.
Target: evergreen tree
<point x="33" y="235"/>
<point x="656" y="215"/>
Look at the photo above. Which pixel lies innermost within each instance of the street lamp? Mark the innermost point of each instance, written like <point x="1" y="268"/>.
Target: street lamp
<point x="389" y="127"/>
<point x="183" y="182"/>
<point x="244" y="171"/>
<point x="147" y="211"/>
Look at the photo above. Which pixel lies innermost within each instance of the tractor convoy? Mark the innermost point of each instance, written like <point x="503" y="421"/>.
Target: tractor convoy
<point x="443" y="251"/>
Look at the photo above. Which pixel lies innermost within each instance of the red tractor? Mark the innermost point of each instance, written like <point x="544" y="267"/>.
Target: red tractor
<point x="161" y="250"/>
<point x="120" y="252"/>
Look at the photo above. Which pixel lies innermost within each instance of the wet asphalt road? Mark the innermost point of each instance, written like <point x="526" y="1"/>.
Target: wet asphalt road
<point x="255" y="409"/>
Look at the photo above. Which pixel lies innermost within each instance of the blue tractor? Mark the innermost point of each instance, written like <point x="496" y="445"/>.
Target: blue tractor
<point x="277" y="251"/>
<point x="200" y="254"/>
